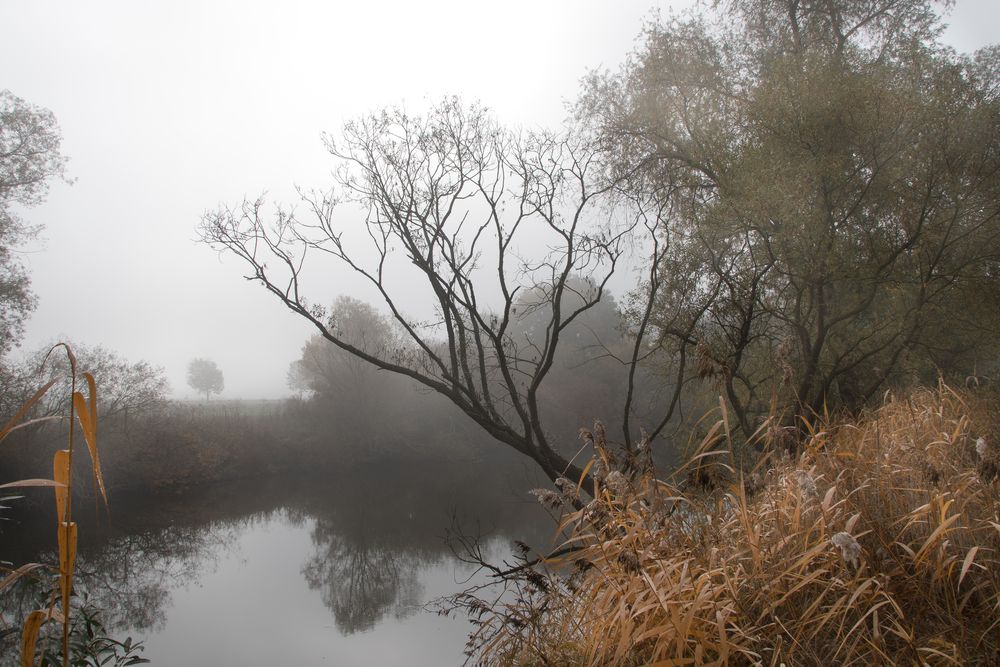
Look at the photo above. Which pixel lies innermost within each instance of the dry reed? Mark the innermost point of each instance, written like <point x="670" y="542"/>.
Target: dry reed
<point x="83" y="410"/>
<point x="877" y="544"/>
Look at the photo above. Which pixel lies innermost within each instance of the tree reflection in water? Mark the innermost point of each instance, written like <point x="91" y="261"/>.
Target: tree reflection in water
<point x="361" y="582"/>
<point x="369" y="547"/>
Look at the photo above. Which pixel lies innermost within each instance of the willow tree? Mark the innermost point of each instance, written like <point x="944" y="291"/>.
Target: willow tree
<point x="832" y="176"/>
<point x="449" y="218"/>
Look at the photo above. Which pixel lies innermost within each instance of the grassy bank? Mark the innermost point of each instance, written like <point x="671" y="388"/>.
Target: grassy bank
<point x="878" y="544"/>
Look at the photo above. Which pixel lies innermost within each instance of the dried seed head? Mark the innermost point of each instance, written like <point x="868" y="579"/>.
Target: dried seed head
<point x="806" y="483"/>
<point x="595" y="513"/>
<point x="981" y="447"/>
<point x="599" y="470"/>
<point x="599" y="435"/>
<point x="547" y="497"/>
<point x="617" y="483"/>
<point x="566" y="488"/>
<point x="850" y="550"/>
<point x="629" y="560"/>
<point x="537" y="580"/>
<point x="753" y="483"/>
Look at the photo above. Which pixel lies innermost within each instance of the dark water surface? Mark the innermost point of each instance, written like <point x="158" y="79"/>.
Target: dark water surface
<point x="308" y="570"/>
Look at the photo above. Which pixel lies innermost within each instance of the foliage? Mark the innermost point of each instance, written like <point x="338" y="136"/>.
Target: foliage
<point x="879" y="544"/>
<point x="89" y="643"/>
<point x="29" y="160"/>
<point x="205" y="377"/>
<point x="830" y="173"/>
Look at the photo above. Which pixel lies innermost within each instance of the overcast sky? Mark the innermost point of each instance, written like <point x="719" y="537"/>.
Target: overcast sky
<point x="171" y="108"/>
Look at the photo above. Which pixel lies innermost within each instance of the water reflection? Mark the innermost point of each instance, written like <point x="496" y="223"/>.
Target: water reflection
<point x="361" y="581"/>
<point x="371" y="535"/>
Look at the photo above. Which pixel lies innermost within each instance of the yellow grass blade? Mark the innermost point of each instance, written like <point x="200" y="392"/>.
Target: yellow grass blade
<point x="69" y="355"/>
<point x="12" y="424"/>
<point x="967" y="563"/>
<point x="25" y="483"/>
<point x="583" y="475"/>
<point x="92" y="387"/>
<point x="933" y="539"/>
<point x="87" y="417"/>
<point x="60" y="473"/>
<point x="9" y="580"/>
<point x="29" y="636"/>
<point x="31" y="422"/>
<point x="725" y="421"/>
<point x="67" y="560"/>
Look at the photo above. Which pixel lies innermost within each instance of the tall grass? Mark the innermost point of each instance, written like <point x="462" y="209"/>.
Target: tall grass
<point x="877" y="544"/>
<point x="82" y="410"/>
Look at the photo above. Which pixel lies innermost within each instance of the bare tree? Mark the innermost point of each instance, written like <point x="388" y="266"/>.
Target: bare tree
<point x="460" y="216"/>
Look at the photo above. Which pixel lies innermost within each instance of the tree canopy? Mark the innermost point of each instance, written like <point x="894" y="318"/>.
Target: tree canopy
<point x="831" y="177"/>
<point x="205" y="377"/>
<point x="29" y="159"/>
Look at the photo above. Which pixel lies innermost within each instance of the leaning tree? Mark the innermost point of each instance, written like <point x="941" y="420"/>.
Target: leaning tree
<point x="459" y="217"/>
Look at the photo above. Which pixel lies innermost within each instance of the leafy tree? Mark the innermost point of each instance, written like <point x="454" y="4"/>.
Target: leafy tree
<point x="205" y="377"/>
<point x="831" y="175"/>
<point x="337" y="375"/>
<point x="29" y="160"/>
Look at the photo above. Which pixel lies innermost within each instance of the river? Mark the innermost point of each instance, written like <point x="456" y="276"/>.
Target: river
<point x="331" y="568"/>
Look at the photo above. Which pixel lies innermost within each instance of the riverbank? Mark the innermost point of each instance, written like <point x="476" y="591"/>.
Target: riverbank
<point x="878" y="544"/>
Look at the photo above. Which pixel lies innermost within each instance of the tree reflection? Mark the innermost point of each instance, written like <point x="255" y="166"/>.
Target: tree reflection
<point x="131" y="577"/>
<point x="369" y="547"/>
<point x="361" y="582"/>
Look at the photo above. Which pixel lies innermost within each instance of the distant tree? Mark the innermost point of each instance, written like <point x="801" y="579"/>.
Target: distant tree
<point x="297" y="378"/>
<point x="832" y="176"/>
<point x="205" y="377"/>
<point x="29" y="160"/>
<point x="338" y="375"/>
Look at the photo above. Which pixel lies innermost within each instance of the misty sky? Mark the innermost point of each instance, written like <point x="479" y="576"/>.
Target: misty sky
<point x="168" y="109"/>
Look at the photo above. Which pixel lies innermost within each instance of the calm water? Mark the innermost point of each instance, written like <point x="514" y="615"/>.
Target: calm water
<point x="306" y="571"/>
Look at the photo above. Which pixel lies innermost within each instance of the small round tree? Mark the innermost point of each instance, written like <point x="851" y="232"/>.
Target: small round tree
<point x="205" y="377"/>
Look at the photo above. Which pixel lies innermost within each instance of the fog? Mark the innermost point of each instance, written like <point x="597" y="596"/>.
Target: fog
<point x="169" y="109"/>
